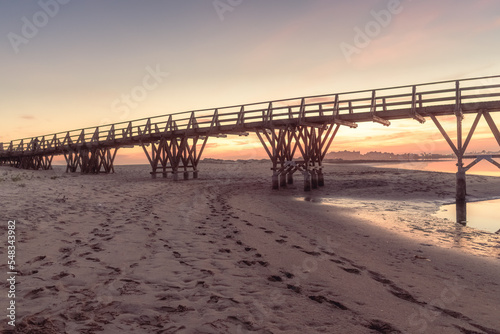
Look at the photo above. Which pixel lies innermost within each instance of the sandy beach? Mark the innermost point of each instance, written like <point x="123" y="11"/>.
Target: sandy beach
<point x="123" y="253"/>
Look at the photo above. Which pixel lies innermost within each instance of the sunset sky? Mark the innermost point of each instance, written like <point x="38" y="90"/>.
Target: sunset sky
<point x="68" y="64"/>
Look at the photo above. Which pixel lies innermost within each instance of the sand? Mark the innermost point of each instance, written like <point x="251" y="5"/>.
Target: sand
<point x="124" y="253"/>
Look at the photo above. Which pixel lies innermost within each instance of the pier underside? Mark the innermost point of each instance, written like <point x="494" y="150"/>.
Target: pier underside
<point x="175" y="155"/>
<point x="311" y="143"/>
<point x="91" y="160"/>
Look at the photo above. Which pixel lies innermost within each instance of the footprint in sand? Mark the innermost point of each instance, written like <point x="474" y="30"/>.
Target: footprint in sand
<point x="62" y="274"/>
<point x="313" y="253"/>
<point x="69" y="263"/>
<point x="351" y="270"/>
<point x="34" y="294"/>
<point x="36" y="259"/>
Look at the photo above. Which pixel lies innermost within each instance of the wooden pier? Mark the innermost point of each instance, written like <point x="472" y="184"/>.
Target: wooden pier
<point x="296" y="133"/>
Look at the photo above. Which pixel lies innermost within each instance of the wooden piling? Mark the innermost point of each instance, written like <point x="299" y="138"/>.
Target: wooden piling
<point x="283" y="179"/>
<point x="461" y="204"/>
<point x="275" y="181"/>
<point x="321" y="178"/>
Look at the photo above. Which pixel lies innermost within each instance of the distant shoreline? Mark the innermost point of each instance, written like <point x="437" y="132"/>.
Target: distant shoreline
<point x="334" y="161"/>
<point x="329" y="161"/>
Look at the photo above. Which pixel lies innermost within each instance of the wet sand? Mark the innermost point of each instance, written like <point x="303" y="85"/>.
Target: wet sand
<point x="123" y="253"/>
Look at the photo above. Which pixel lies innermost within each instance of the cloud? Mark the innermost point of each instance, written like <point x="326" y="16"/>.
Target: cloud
<point x="27" y="117"/>
<point x="434" y="32"/>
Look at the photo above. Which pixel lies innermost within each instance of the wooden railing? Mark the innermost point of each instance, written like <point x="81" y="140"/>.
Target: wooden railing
<point x="366" y="105"/>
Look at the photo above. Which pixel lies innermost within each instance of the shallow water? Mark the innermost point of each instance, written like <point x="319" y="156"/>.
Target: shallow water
<point x="446" y="166"/>
<point x="482" y="215"/>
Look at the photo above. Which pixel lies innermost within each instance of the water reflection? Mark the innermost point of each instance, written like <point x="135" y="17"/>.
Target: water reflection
<point x="447" y="166"/>
<point x="458" y="236"/>
<point x="481" y="215"/>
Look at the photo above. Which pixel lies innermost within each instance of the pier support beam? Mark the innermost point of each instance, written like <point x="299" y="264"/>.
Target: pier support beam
<point x="461" y="192"/>
<point x="283" y="180"/>
<point x="35" y="162"/>
<point x="321" y="179"/>
<point x="175" y="155"/>
<point x="312" y="142"/>
<point x="91" y="160"/>
<point x="72" y="161"/>
<point x="460" y="148"/>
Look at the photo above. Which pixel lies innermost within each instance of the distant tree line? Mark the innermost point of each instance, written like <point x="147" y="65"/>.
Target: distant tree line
<point x="388" y="156"/>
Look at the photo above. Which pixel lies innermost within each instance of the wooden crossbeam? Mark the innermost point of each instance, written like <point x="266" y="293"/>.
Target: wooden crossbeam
<point x="490" y="159"/>
<point x="382" y="121"/>
<point x="325" y="148"/>
<point x="493" y="126"/>
<point x="445" y="135"/>
<point x="473" y="163"/>
<point x="471" y="132"/>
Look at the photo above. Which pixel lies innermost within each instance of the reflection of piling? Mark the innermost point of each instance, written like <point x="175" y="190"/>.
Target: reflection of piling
<point x="307" y="181"/>
<point x="461" y="204"/>
<point x="314" y="179"/>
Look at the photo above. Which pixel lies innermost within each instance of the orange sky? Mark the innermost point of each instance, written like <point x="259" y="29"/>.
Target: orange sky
<point x="74" y="70"/>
